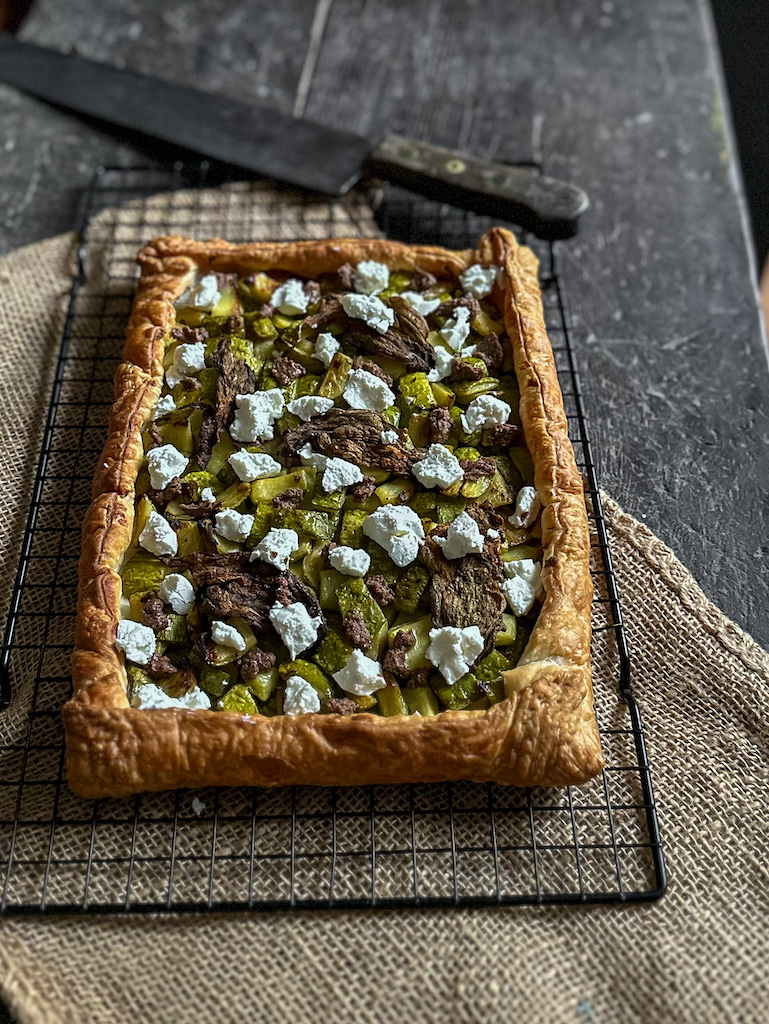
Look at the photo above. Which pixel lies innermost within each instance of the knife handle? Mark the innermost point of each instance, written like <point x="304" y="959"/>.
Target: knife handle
<point x="546" y="206"/>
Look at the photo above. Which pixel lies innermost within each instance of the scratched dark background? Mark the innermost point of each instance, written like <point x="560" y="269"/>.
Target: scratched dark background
<point x="624" y="98"/>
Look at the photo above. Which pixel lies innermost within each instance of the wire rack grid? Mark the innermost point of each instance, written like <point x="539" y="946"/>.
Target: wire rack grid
<point x="457" y="844"/>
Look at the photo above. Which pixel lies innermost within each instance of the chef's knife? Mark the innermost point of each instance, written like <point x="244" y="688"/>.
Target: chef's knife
<point x="263" y="140"/>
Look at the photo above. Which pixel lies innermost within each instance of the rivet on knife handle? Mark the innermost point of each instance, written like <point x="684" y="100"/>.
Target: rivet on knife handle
<point x="546" y="206"/>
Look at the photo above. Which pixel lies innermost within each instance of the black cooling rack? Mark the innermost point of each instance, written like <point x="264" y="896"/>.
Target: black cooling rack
<point x="232" y="849"/>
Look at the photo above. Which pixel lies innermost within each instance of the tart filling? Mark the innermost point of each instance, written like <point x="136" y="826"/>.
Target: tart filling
<point x="336" y="510"/>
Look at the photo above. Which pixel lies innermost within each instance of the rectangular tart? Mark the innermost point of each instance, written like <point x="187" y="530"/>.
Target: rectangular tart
<point x="338" y="535"/>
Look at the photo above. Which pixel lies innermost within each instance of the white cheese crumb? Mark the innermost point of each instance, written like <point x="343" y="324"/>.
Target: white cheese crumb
<point x="135" y="640"/>
<point x="478" y="280"/>
<point x="360" y="675"/>
<point x="276" y="548"/>
<point x="349" y="561"/>
<point x="456" y="328"/>
<point x="366" y="391"/>
<point x="439" y="468"/>
<point x="420" y="303"/>
<point x="203" y="295"/>
<point x="390" y="437"/>
<point x="311" y="458"/>
<point x="250" y="466"/>
<point x="164" y="463"/>
<point x="326" y="348"/>
<point x="158" y="536"/>
<point x="463" y="538"/>
<point x="164" y="405"/>
<point x="295" y="627"/>
<point x="339" y="473"/>
<point x="371" y="277"/>
<point x="453" y="650"/>
<point x="207" y="494"/>
<point x="491" y="532"/>
<point x="443" y="361"/>
<point x="290" y="298"/>
<point x="310" y="405"/>
<point x="232" y="525"/>
<point x="300" y="697"/>
<point x="177" y="591"/>
<point x="527" y="506"/>
<point x="191" y="357"/>
<point x="371" y="309"/>
<point x="484" y="412"/>
<point x="256" y="414"/>
<point x="398" y="529"/>
<point x="151" y="696"/>
<point x="524" y="586"/>
<point x="227" y="636"/>
<point x="198" y="805"/>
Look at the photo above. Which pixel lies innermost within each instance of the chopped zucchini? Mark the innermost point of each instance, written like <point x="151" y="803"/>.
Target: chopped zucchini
<point x="142" y="572"/>
<point x="320" y="525"/>
<point x="397" y="491"/>
<point x="421" y="699"/>
<point x="411" y="585"/>
<point x="390" y="701"/>
<point x="329" y="582"/>
<point x="213" y="680"/>
<point x="238" y="699"/>
<point x="458" y="695"/>
<point x="416" y="656"/>
<point x="415" y="393"/>
<point x="222" y="450"/>
<point x="353" y="595"/>
<point x="333" y="653"/>
<point x="271" y="486"/>
<point x="314" y="675"/>
<point x="351" y="532"/>
<point x="467" y="390"/>
<point x="263" y="684"/>
<point x="335" y="379"/>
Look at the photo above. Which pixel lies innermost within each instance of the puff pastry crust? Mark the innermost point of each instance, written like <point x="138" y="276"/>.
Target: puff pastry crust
<point x="543" y="733"/>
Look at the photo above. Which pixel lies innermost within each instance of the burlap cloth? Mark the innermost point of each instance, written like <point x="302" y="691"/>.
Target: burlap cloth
<point x="701" y="954"/>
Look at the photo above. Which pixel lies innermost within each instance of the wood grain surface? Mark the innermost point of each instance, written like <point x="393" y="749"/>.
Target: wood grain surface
<point x="625" y="99"/>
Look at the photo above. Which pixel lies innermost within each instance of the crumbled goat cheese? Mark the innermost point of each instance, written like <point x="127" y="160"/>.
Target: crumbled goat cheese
<point x="453" y="650"/>
<point x="527" y="506"/>
<point x="349" y="561"/>
<point x="189" y="359"/>
<point x="135" y="640"/>
<point x="365" y="391"/>
<point x="311" y="458"/>
<point x="164" y="463"/>
<point x="492" y="533"/>
<point x="177" y="591"/>
<point x="371" y="277"/>
<point x="524" y="586"/>
<point x="456" y="328"/>
<point x="371" y="309"/>
<point x="158" y="536"/>
<point x="300" y="697"/>
<point x="165" y="405"/>
<point x="276" y="547"/>
<point x="295" y="626"/>
<point x="203" y="295"/>
<point x="310" y="405"/>
<point x="439" y="468"/>
<point x="326" y="348"/>
<point x="463" y="538"/>
<point x="151" y="696"/>
<point x="420" y="303"/>
<point x="390" y="437"/>
<point x="207" y="494"/>
<point x="443" y="361"/>
<point x="290" y="298"/>
<point x="360" y="675"/>
<point x="484" y="412"/>
<point x="198" y="806"/>
<point x="398" y="529"/>
<point x="256" y="414"/>
<point x="227" y="636"/>
<point x="478" y="280"/>
<point x="232" y="525"/>
<point x="251" y="466"/>
<point x="339" y="473"/>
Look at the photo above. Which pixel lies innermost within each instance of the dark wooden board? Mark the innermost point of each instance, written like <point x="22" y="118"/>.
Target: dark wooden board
<point x="622" y="98"/>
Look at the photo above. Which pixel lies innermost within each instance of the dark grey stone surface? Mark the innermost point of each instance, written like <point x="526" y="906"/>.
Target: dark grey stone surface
<point x="623" y="98"/>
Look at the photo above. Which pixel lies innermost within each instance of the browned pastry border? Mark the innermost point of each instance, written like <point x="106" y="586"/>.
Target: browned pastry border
<point x="543" y="733"/>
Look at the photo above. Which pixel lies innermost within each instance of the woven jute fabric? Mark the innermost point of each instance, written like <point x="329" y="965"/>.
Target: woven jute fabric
<point x="698" y="955"/>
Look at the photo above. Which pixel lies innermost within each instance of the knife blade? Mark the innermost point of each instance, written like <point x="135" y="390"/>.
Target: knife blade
<point x="263" y="140"/>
